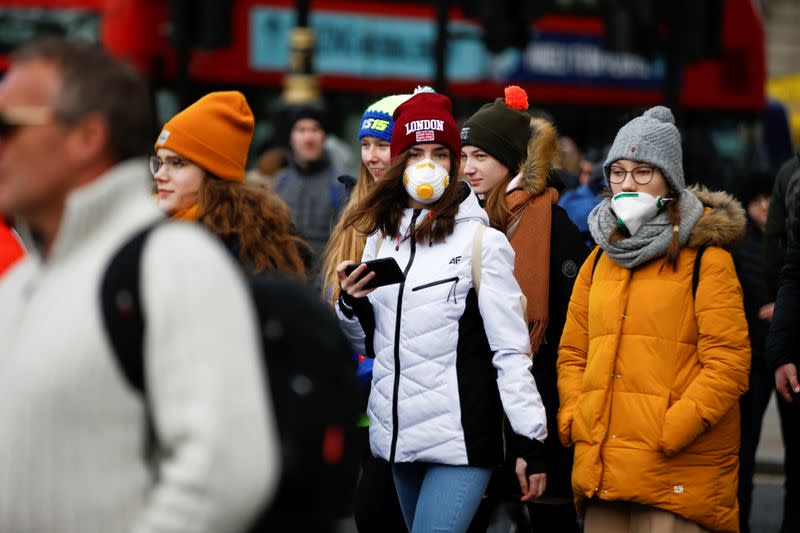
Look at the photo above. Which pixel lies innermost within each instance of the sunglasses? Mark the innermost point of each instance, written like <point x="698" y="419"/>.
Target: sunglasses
<point x="14" y="117"/>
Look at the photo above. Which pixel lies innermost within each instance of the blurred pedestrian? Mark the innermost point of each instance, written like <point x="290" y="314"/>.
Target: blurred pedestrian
<point x="570" y="157"/>
<point x="199" y="170"/>
<point x="780" y="220"/>
<point x="497" y="141"/>
<point x="650" y="366"/>
<point x="376" y="507"/>
<point x="748" y="257"/>
<point x="74" y="441"/>
<point x="462" y="356"/>
<point x="782" y="357"/>
<point x="580" y="201"/>
<point x="269" y="164"/>
<point x="309" y="185"/>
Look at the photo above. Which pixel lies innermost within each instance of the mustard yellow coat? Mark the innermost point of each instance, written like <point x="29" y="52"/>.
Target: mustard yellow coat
<point x="649" y="378"/>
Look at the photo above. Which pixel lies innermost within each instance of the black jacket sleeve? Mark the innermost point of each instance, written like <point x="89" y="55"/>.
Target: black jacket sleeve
<point x="775" y="232"/>
<point x="361" y="309"/>
<point x="782" y="342"/>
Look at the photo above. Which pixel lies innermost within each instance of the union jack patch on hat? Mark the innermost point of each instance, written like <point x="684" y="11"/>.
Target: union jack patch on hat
<point x="425" y="136"/>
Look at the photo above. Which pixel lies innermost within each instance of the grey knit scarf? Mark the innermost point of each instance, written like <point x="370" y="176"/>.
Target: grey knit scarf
<point x="652" y="239"/>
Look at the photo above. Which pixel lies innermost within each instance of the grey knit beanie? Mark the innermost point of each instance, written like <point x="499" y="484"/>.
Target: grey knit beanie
<point x="651" y="138"/>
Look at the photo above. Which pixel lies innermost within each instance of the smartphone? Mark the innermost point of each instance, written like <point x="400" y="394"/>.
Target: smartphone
<point x="387" y="272"/>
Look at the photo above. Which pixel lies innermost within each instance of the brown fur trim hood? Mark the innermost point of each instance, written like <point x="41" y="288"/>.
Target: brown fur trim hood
<point x="723" y="222"/>
<point x="542" y="156"/>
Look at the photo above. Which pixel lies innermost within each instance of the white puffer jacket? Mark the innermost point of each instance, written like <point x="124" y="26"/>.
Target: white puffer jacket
<point x="448" y="361"/>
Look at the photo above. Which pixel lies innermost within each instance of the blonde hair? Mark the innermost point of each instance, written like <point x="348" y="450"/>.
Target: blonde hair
<point x="346" y="242"/>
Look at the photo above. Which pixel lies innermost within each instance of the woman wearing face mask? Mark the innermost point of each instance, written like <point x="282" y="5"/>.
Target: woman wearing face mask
<point x="651" y="368"/>
<point x="199" y="170"/>
<point x="497" y="141"/>
<point x="449" y="357"/>
<point x="376" y="508"/>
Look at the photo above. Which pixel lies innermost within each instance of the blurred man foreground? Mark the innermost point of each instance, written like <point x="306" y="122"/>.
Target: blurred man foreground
<point x="73" y="434"/>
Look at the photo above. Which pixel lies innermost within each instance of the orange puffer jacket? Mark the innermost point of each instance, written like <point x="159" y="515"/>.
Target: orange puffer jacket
<point x="649" y="377"/>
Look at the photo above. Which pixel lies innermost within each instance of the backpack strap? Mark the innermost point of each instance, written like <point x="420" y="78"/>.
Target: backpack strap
<point x="124" y="321"/>
<point x="477" y="249"/>
<point x="696" y="272"/>
<point x="596" y="260"/>
<point x="123" y="315"/>
<point x="378" y="244"/>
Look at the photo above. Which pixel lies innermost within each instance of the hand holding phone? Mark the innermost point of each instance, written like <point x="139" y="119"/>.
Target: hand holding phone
<point x="387" y="272"/>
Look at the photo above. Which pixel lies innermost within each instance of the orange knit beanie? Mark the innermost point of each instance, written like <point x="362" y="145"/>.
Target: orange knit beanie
<point x="214" y="133"/>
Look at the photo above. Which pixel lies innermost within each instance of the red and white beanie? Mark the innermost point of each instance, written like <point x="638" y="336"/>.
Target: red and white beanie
<point x="426" y="117"/>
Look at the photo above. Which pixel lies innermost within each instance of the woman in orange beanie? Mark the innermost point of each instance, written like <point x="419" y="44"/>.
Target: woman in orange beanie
<point x="199" y="169"/>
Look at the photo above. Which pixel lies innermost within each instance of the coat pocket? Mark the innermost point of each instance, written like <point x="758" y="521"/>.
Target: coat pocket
<point x="570" y="430"/>
<point x="450" y="294"/>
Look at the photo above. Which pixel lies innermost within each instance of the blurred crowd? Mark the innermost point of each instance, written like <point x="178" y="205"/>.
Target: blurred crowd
<point x="477" y="326"/>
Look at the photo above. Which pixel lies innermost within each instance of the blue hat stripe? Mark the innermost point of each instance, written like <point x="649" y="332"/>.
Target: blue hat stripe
<point x="376" y="124"/>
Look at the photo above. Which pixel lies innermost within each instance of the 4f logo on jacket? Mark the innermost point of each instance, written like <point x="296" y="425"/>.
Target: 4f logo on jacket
<point x="456" y="260"/>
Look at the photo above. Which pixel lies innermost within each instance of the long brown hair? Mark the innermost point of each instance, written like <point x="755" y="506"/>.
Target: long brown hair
<point x="496" y="205"/>
<point x="382" y="209"/>
<point x="345" y="242"/>
<point x="257" y="220"/>
<point x="673" y="215"/>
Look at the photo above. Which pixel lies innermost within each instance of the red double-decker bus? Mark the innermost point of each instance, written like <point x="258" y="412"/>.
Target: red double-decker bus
<point x="369" y="48"/>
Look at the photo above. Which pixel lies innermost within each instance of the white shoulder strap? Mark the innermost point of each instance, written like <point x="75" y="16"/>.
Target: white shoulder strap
<point x="378" y="244"/>
<point x="477" y="249"/>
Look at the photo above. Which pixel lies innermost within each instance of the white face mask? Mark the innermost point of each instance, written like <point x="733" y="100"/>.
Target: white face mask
<point x="635" y="209"/>
<point x="425" y="181"/>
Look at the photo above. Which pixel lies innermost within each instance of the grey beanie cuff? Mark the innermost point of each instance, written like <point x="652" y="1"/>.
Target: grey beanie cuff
<point x="653" y="139"/>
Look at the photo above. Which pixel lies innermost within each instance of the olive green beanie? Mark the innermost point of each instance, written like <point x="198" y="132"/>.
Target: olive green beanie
<point x="502" y="128"/>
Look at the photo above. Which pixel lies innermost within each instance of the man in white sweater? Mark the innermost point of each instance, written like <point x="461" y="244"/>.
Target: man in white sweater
<point x="73" y="125"/>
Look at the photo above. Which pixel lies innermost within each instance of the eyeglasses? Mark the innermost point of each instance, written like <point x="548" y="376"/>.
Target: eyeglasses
<point x="170" y="164"/>
<point x="14" y="117"/>
<point x="641" y="175"/>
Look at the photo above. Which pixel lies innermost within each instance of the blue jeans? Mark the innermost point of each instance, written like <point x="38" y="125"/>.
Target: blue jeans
<point x="439" y="498"/>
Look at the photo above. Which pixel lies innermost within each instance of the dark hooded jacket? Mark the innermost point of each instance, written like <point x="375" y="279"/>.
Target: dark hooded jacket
<point x="784" y="332"/>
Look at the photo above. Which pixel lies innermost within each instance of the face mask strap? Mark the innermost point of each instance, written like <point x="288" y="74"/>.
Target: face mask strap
<point x="661" y="202"/>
